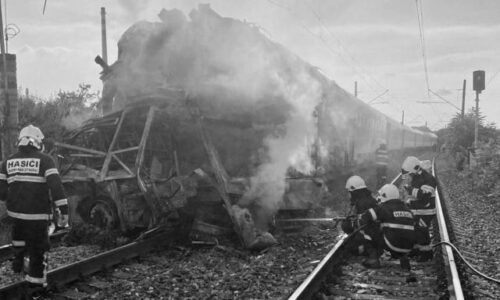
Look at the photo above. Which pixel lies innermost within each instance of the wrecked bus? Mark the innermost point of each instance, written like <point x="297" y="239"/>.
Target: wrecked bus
<point x="152" y="163"/>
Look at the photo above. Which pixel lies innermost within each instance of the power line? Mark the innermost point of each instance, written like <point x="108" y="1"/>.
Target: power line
<point x="322" y="39"/>
<point x="420" y="18"/>
<point x="325" y="28"/>
<point x="493" y="77"/>
<point x="385" y="92"/>
<point x="440" y="97"/>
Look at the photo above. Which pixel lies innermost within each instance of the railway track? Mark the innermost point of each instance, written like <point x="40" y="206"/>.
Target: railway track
<point x="341" y="276"/>
<point x="335" y="277"/>
<point x="55" y="238"/>
<point x="57" y="278"/>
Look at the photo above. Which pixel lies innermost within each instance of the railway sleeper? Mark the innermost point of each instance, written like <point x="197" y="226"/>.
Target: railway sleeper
<point x="387" y="282"/>
<point x="59" y="277"/>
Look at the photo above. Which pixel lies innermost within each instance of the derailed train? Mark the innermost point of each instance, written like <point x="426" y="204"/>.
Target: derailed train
<point x="348" y="133"/>
<point x="134" y="167"/>
<point x="168" y="152"/>
<point x="353" y="130"/>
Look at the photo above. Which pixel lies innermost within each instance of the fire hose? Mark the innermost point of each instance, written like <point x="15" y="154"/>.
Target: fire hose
<point x="467" y="263"/>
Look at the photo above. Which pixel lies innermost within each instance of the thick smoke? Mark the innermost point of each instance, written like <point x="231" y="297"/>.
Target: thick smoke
<point x="76" y="118"/>
<point x="291" y="149"/>
<point x="235" y="69"/>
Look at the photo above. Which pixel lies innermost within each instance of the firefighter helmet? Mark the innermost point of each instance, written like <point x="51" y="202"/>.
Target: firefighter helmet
<point x="30" y="135"/>
<point x="355" y="183"/>
<point x="410" y="165"/>
<point x="426" y="165"/>
<point x="388" y="192"/>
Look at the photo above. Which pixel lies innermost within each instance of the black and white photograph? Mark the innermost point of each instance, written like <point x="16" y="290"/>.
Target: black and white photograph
<point x="249" y="149"/>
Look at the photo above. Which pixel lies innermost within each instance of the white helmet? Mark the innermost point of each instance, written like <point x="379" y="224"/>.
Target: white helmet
<point x="30" y="135"/>
<point x="426" y="165"/>
<point x="388" y="192"/>
<point x="355" y="183"/>
<point x="410" y="165"/>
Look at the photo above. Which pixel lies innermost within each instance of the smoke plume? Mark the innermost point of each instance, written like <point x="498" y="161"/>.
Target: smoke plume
<point x="238" y="71"/>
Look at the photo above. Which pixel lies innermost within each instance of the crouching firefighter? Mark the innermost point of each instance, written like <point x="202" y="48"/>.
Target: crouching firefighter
<point x="422" y="202"/>
<point x="395" y="221"/>
<point x="26" y="179"/>
<point x="361" y="200"/>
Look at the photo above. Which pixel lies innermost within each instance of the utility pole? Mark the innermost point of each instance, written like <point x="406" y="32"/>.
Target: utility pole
<point x="9" y="116"/>
<point x="356" y="89"/>
<point x="478" y="86"/>
<point x="103" y="35"/>
<point x="463" y="100"/>
<point x="6" y="105"/>
<point x="476" y="123"/>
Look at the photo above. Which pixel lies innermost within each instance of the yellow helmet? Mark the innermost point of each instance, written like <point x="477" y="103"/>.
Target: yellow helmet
<point x="30" y="135"/>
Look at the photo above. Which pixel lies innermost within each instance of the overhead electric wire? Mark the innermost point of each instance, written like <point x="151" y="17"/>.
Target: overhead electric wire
<point x="346" y="53"/>
<point x="323" y="41"/>
<point x="492" y="77"/>
<point x="325" y="28"/>
<point x="421" y="27"/>
<point x="420" y="18"/>
<point x="385" y="92"/>
<point x="440" y="97"/>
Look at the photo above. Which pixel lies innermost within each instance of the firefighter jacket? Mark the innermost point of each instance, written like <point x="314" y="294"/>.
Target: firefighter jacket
<point x="423" y="190"/>
<point x="26" y="178"/>
<point x="361" y="200"/>
<point x="381" y="157"/>
<point x="396" y="224"/>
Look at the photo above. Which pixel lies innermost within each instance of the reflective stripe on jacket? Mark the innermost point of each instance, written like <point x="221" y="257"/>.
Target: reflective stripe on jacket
<point x="396" y="223"/>
<point x="381" y="157"/>
<point x="26" y="178"/>
<point x="423" y="189"/>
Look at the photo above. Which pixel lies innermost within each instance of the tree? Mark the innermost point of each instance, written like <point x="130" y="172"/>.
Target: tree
<point x="57" y="116"/>
<point x="459" y="133"/>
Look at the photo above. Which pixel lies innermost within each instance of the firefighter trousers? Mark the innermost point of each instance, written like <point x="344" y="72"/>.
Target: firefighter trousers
<point x="30" y="238"/>
<point x="423" y="245"/>
<point x="364" y="239"/>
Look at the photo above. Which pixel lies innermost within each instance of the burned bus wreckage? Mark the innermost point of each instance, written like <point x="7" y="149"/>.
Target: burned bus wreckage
<point x="208" y="121"/>
<point x="152" y="163"/>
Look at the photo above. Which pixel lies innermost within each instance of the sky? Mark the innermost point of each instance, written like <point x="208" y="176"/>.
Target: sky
<point x="376" y="43"/>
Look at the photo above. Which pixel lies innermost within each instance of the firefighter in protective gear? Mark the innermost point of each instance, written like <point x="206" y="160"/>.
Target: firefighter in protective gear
<point x="396" y="224"/>
<point x="381" y="161"/>
<point x="361" y="200"/>
<point x="361" y="196"/>
<point x="421" y="191"/>
<point x="26" y="179"/>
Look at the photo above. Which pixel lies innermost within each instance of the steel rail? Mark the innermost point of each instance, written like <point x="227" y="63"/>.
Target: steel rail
<point x="72" y="272"/>
<point x="454" y="285"/>
<point x="312" y="283"/>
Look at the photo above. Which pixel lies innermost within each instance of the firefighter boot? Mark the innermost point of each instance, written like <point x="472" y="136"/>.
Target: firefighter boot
<point x="405" y="265"/>
<point x="18" y="262"/>
<point x="372" y="261"/>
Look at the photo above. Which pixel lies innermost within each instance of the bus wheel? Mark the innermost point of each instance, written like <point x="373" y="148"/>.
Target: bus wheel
<point x="103" y="215"/>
